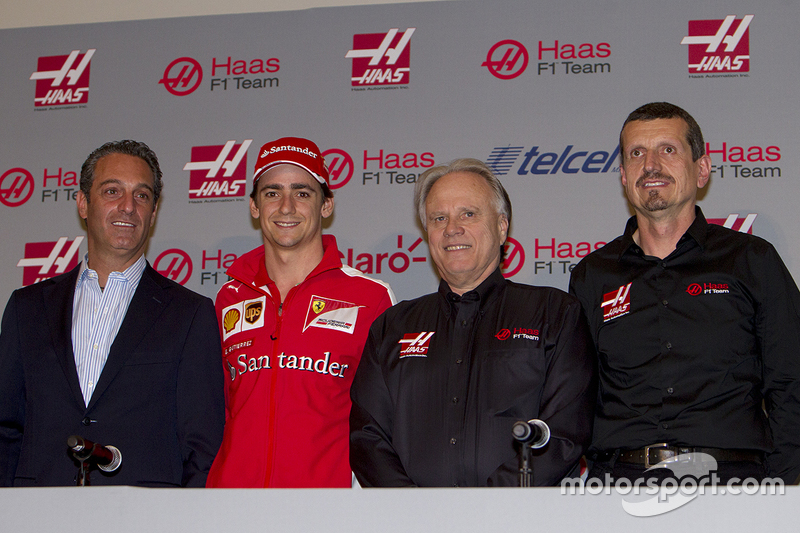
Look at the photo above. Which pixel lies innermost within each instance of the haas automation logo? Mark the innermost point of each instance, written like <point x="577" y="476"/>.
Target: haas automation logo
<point x="381" y="58"/>
<point x="218" y="171"/>
<point x="719" y="45"/>
<point x="63" y="80"/>
<point x="43" y="260"/>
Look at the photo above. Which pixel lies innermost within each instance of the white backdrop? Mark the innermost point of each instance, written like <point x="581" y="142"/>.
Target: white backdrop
<point x="550" y="128"/>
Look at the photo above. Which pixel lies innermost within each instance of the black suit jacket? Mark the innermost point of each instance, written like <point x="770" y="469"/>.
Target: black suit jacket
<point x="159" y="398"/>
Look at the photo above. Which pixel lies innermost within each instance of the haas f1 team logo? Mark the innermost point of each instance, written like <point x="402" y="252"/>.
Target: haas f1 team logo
<point x="16" y="187"/>
<point x="340" y="167"/>
<point x="514" y="259"/>
<point x="719" y="45"/>
<point x="63" y="80"/>
<point x="183" y="76"/>
<point x="174" y="264"/>
<point x="507" y="59"/>
<point x="44" y="260"/>
<point x="381" y="58"/>
<point x="617" y="303"/>
<point x="218" y="171"/>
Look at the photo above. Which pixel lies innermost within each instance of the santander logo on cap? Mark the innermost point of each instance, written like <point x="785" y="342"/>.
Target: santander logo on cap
<point x="292" y="151"/>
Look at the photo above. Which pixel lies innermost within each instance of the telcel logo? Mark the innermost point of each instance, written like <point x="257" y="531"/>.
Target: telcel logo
<point x="538" y="160"/>
<point x="706" y="38"/>
<point x="381" y="58"/>
<point x="63" y="80"/>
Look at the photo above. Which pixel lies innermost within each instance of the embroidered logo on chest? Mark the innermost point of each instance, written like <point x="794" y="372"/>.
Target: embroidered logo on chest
<point x="696" y="289"/>
<point x="518" y="333"/>
<point x="415" y="344"/>
<point x="616" y="303"/>
<point x="243" y="316"/>
<point x="331" y="314"/>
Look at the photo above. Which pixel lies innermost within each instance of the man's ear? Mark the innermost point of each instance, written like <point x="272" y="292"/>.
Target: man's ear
<point x="503" y="222"/>
<point x="704" y="171"/>
<point x="254" y="212"/>
<point x="82" y="202"/>
<point x="153" y="216"/>
<point x="327" y="207"/>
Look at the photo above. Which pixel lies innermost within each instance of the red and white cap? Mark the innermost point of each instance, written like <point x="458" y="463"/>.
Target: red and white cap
<point x="292" y="151"/>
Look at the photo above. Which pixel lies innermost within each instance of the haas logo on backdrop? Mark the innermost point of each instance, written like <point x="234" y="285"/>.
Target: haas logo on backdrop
<point x="381" y="58"/>
<point x="16" y="187"/>
<point x="174" y="264"/>
<point x="736" y="223"/>
<point x="43" y="260"/>
<point x="218" y="171"/>
<point x="515" y="258"/>
<point x="183" y="76"/>
<point x="340" y="167"/>
<point x="507" y="59"/>
<point x="63" y="80"/>
<point x="719" y="45"/>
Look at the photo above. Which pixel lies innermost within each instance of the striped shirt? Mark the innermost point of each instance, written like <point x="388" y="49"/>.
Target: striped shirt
<point x="97" y="316"/>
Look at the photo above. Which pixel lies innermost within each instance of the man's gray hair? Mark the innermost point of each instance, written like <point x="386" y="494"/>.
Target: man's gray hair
<point x="475" y="166"/>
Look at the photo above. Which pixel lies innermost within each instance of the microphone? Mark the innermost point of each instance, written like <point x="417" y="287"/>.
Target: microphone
<point x="108" y="458"/>
<point x="535" y="433"/>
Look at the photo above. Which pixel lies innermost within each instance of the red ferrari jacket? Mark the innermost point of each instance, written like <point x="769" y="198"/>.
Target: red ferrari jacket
<point x="288" y="371"/>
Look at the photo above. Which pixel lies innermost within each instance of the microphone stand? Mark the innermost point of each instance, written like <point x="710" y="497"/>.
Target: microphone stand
<point x="525" y="468"/>
<point x="84" y="468"/>
<point x="533" y="434"/>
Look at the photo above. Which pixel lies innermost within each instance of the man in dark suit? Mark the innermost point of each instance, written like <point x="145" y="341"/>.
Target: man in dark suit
<point x="112" y="351"/>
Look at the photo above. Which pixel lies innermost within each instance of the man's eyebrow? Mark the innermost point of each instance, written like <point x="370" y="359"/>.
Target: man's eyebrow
<point x="279" y="186"/>
<point x="116" y="181"/>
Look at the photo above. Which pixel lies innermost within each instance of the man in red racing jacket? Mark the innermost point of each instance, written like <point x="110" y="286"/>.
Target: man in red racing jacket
<point x="293" y="322"/>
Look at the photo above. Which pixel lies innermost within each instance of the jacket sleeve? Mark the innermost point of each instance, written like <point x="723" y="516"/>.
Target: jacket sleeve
<point x="201" y="404"/>
<point x="778" y="328"/>
<point x="568" y="398"/>
<point x="372" y="456"/>
<point x="12" y="395"/>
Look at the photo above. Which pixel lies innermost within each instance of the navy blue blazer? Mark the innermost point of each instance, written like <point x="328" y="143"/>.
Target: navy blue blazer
<point x="159" y="398"/>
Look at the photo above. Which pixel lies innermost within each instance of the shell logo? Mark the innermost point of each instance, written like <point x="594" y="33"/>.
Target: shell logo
<point x="230" y="320"/>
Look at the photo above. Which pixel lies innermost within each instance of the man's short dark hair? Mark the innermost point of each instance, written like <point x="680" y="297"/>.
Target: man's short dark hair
<point x="126" y="147"/>
<point x="654" y="110"/>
